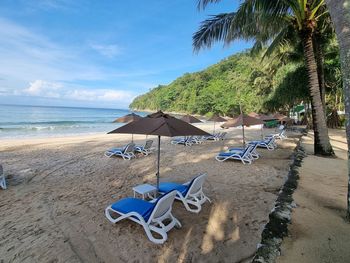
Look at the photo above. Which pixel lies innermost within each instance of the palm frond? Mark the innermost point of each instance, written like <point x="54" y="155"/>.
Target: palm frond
<point x="281" y="39"/>
<point x="212" y="30"/>
<point x="202" y="4"/>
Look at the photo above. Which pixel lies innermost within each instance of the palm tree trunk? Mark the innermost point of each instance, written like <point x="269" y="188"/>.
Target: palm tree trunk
<point x="320" y="71"/>
<point x="322" y="145"/>
<point x="340" y="14"/>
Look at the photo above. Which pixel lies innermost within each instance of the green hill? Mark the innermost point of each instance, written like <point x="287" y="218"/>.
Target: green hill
<point x="220" y="88"/>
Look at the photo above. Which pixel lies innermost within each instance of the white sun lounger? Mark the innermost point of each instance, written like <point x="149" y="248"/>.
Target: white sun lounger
<point x="253" y="154"/>
<point x="190" y="193"/>
<point x="126" y="153"/>
<point x="281" y="135"/>
<point x="211" y="137"/>
<point x="243" y="156"/>
<point x="268" y="143"/>
<point x="150" y="215"/>
<point x="2" y="178"/>
<point x="188" y="141"/>
<point x="221" y="135"/>
<point x="144" y="149"/>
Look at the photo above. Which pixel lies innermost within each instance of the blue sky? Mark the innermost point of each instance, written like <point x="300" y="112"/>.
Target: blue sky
<point x="97" y="53"/>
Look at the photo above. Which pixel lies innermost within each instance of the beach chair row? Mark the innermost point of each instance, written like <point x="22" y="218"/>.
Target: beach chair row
<point x="128" y="151"/>
<point x="190" y="140"/>
<point x="156" y="215"/>
<point x="249" y="153"/>
<point x="215" y="137"/>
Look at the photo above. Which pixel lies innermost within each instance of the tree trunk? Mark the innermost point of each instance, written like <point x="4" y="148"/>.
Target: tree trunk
<point x="322" y="145"/>
<point x="340" y="14"/>
<point x="320" y="71"/>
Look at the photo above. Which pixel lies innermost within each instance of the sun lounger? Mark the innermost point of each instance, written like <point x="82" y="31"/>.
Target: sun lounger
<point x="221" y="135"/>
<point x="253" y="154"/>
<point x="2" y="178"/>
<point x="243" y="156"/>
<point x="190" y="193"/>
<point x="144" y="149"/>
<point x="215" y="137"/>
<point x="188" y="141"/>
<point x="154" y="216"/>
<point x="268" y="143"/>
<point x="126" y="153"/>
<point x="197" y="139"/>
<point x="281" y="135"/>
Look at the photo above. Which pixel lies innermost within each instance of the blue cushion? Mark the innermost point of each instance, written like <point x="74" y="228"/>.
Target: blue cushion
<point x="254" y="142"/>
<point x="113" y="150"/>
<point x="226" y="154"/>
<point x="236" y="149"/>
<point x="168" y="187"/>
<point x="127" y="205"/>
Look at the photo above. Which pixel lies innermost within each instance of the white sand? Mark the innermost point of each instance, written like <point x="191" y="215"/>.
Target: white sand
<point x="53" y="210"/>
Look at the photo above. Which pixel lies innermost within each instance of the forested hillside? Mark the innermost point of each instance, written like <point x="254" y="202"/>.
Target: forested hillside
<point x="240" y="79"/>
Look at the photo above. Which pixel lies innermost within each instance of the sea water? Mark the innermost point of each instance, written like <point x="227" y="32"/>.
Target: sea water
<point x="41" y="121"/>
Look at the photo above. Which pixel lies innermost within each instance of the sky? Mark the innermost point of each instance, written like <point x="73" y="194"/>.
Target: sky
<point x="93" y="53"/>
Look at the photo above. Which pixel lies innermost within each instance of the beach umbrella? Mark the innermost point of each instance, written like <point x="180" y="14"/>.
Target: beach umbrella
<point x="287" y="120"/>
<point x="190" y="119"/>
<point x="160" y="124"/>
<point x="216" y="118"/>
<point x="254" y="114"/>
<point x="279" y="116"/>
<point x="242" y="120"/>
<point x="267" y="117"/>
<point x="264" y="118"/>
<point x="128" y="118"/>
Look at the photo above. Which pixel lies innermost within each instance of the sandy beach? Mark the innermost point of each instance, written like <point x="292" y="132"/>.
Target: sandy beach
<point x="319" y="232"/>
<point x="58" y="188"/>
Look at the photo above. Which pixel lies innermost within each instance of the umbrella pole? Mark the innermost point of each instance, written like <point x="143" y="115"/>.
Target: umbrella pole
<point x="214" y="128"/>
<point x="240" y="108"/>
<point x="132" y="137"/>
<point x="243" y="136"/>
<point x="158" y="163"/>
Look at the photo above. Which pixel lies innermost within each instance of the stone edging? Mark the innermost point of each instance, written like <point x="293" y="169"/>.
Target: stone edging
<point x="277" y="227"/>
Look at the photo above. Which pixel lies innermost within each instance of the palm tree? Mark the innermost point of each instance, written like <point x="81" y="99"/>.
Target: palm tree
<point x="273" y="22"/>
<point x="340" y="14"/>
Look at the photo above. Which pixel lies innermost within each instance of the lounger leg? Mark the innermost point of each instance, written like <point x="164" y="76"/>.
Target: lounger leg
<point x="188" y="208"/>
<point x="3" y="182"/>
<point x="146" y="227"/>
<point x="159" y="231"/>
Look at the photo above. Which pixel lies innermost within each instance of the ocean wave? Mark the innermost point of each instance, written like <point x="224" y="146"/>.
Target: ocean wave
<point x="47" y="128"/>
<point x="52" y="123"/>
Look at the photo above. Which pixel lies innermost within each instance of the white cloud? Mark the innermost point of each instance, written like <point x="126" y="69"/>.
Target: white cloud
<point x="109" y="51"/>
<point x="46" y="89"/>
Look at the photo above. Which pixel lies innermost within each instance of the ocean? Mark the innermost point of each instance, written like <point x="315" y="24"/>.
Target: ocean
<point x="41" y="121"/>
